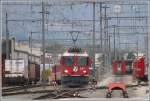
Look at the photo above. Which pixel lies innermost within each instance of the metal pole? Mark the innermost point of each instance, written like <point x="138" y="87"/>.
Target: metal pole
<point x="7" y="39"/>
<point x="149" y="43"/>
<point x="31" y="46"/>
<point x="94" y="37"/>
<point x="146" y="48"/>
<point x="109" y="53"/>
<point x="1" y="67"/>
<point x="105" y="37"/>
<point x="1" y="56"/>
<point x="137" y="48"/>
<point x="114" y="42"/>
<point x="101" y="28"/>
<point x="118" y="54"/>
<point x="43" y="36"/>
<point x="107" y="43"/>
<point x="28" y="60"/>
<point x="101" y="39"/>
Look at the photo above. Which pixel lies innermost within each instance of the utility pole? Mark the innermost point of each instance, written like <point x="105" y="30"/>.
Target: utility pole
<point x="7" y="39"/>
<point x="30" y="45"/>
<point x="149" y="43"/>
<point x="1" y="59"/>
<point x="105" y="16"/>
<point x="29" y="54"/>
<point x="101" y="28"/>
<point x="109" y="40"/>
<point x="105" y="37"/>
<point x="114" y="42"/>
<point x="137" y="48"/>
<point x="94" y="39"/>
<point x="43" y="36"/>
<point x="107" y="48"/>
<point x="101" y="39"/>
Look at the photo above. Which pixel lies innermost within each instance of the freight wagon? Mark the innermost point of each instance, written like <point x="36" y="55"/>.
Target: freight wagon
<point x="34" y="73"/>
<point x="15" y="71"/>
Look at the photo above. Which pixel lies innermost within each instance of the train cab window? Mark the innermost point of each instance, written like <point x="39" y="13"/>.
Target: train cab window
<point x="68" y="61"/>
<point x="82" y="61"/>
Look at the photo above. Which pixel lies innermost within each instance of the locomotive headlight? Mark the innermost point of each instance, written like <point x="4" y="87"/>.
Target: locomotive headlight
<point x="84" y="71"/>
<point x="66" y="71"/>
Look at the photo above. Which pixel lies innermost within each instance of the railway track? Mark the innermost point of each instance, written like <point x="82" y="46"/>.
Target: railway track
<point x="72" y="93"/>
<point x="67" y="93"/>
<point x="11" y="89"/>
<point x="26" y="92"/>
<point x="53" y="93"/>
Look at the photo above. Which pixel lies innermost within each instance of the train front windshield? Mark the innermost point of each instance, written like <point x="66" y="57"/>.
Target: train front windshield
<point x="82" y="61"/>
<point x="68" y="60"/>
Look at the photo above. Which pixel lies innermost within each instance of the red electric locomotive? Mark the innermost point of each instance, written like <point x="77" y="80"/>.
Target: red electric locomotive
<point x="75" y="65"/>
<point x="140" y="70"/>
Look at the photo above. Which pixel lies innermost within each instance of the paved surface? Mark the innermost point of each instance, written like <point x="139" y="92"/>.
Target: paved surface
<point x="127" y="79"/>
<point x="82" y="99"/>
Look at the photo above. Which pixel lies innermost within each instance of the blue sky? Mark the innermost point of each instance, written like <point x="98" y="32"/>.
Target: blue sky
<point x="75" y="12"/>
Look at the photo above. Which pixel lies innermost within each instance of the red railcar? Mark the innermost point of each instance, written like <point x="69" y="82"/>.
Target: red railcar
<point x="119" y="67"/>
<point x="75" y="65"/>
<point x="140" y="71"/>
